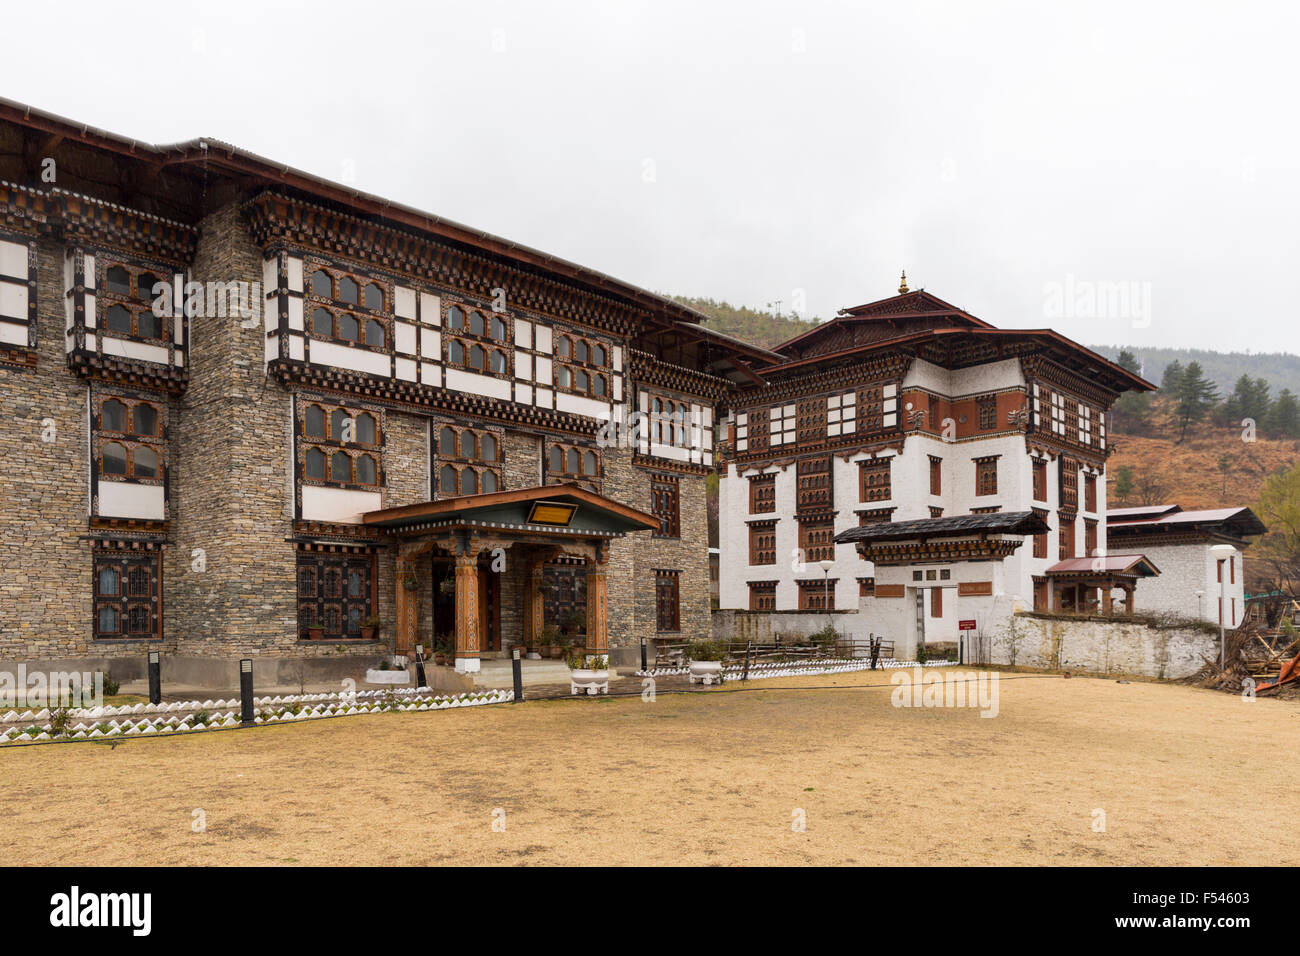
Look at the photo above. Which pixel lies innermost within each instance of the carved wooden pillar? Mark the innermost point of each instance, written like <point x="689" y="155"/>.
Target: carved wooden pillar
<point x="535" y="603"/>
<point x="407" y="605"/>
<point x="597" y="607"/>
<point x="467" y="659"/>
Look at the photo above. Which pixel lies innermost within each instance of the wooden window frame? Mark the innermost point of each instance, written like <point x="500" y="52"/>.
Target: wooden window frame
<point x="665" y="497"/>
<point x="986" y="477"/>
<point x="592" y="369"/>
<point x="986" y="412"/>
<point x="566" y="476"/>
<point x="1039" y="479"/>
<point x="814" y="484"/>
<point x="816" y="595"/>
<point x="124" y="600"/>
<point x="668" y="618"/>
<point x="875" y="479"/>
<point x="460" y="463"/>
<point x="335" y="304"/>
<point x="131" y="439"/>
<point x="313" y="610"/>
<point x="762" y="595"/>
<point x="760" y="500"/>
<point x="762" y="543"/>
<point x="1090" y="493"/>
<point x="135" y="302"/>
<point x="331" y="443"/>
<point x="811" y="533"/>
<point x="936" y="475"/>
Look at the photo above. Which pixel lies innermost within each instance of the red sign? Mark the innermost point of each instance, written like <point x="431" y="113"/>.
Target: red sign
<point x="966" y="625"/>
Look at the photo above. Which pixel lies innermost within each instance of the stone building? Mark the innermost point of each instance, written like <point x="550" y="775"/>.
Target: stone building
<point x="255" y="413"/>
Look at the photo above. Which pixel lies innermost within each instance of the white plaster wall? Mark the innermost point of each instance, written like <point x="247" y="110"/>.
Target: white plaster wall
<point x="1105" y="647"/>
<point x="1184" y="570"/>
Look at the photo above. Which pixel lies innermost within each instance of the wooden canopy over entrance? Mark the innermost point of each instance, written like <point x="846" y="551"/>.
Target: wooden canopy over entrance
<point x="540" y="524"/>
<point x="1076" y="583"/>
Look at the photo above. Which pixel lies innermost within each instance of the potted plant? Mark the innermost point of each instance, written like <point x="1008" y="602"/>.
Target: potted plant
<point x="409" y="581"/>
<point x="706" y="662"/>
<point x="588" y="673"/>
<point x="551" y="640"/>
<point x="447" y="586"/>
<point x="370" y="627"/>
<point x="443" y="652"/>
<point x="313" y="633"/>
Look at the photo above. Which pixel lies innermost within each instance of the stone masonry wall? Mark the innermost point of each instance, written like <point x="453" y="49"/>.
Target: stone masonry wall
<point x="45" y="597"/>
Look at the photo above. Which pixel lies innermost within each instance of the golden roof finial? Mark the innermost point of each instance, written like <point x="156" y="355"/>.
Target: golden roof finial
<point x="902" y="285"/>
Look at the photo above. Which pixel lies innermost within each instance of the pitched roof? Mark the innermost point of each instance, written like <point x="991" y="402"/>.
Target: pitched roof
<point x="511" y="508"/>
<point x="1238" y="522"/>
<point x="999" y="522"/>
<point x="1136" y="565"/>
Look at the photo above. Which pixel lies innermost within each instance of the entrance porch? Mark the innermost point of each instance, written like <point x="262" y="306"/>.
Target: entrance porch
<point x="1087" y="585"/>
<point x="497" y="548"/>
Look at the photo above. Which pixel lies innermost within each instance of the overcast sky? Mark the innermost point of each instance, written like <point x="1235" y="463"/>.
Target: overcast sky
<point x="1010" y="156"/>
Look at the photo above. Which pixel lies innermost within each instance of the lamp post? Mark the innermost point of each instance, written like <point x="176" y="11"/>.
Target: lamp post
<point x="1222" y="552"/>
<point x="826" y="587"/>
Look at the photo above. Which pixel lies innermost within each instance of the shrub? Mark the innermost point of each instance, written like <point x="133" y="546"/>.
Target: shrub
<point x="111" y="686"/>
<point x="705" y="651"/>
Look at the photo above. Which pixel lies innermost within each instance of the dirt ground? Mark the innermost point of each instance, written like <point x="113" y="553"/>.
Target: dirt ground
<point x="1184" y="776"/>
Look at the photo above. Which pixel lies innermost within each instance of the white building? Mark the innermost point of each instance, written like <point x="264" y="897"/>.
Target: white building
<point x="912" y="413"/>
<point x="1194" y="581"/>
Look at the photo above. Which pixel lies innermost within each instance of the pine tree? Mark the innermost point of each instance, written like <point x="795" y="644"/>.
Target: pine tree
<point x="1284" y="417"/>
<point x="1172" y="377"/>
<point x="1194" y="396"/>
<point x="1131" y="412"/>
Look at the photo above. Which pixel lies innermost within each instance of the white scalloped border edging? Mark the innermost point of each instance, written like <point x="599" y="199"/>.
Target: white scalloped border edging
<point x="269" y="710"/>
<point x="829" y="665"/>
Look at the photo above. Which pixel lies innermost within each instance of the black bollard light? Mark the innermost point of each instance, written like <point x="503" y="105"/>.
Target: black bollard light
<point x="246" y="692"/>
<point x="155" y="678"/>
<point x="518" y="667"/>
<point x="644" y="666"/>
<point x="420" y="680"/>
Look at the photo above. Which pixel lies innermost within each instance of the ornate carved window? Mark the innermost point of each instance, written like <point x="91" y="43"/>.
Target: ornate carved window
<point x="126" y="298"/>
<point x="987" y="406"/>
<point x="1069" y="484"/>
<point x="667" y="615"/>
<point x="1040" y="540"/>
<point x="817" y="540"/>
<point x="336" y="592"/>
<point x="811" y="422"/>
<point x="477" y="340"/>
<point x="1090" y="493"/>
<point x="986" y="476"/>
<point x="666" y="505"/>
<point x="752" y="434"/>
<point x="762" y="494"/>
<point x="936" y="476"/>
<point x="874" y="480"/>
<point x="1065" y="522"/>
<point x="348" y="308"/>
<point x="129" y="439"/>
<point x="762" y="595"/>
<point x="762" y="542"/>
<point x="340" y="446"/>
<point x="582" y="366"/>
<point x="573" y="463"/>
<point x="1040" y="480"/>
<point x="128" y="596"/>
<point x="817" y="595"/>
<point x="813" y="485"/>
<point x="1089" y="537"/>
<point x="467" y="461"/>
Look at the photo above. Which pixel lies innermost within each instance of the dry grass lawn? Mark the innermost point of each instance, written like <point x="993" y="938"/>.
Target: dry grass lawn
<point x="1184" y="776"/>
